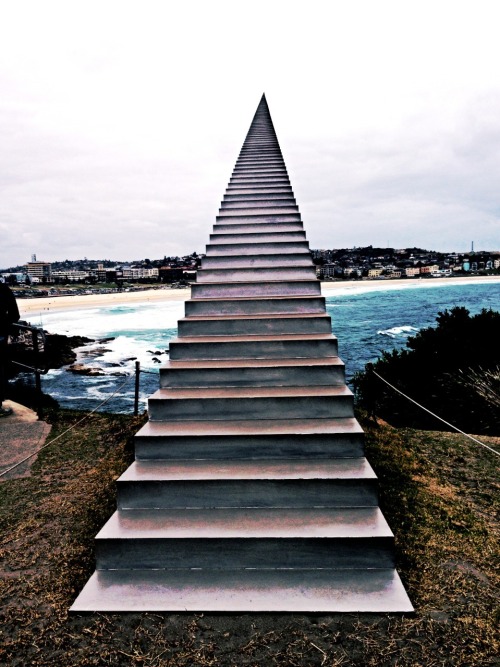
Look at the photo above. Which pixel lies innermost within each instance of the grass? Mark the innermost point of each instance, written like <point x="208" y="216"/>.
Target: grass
<point x="439" y="493"/>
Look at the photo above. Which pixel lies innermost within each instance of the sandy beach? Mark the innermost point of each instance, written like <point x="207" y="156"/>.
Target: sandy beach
<point x="52" y="304"/>
<point x="42" y="305"/>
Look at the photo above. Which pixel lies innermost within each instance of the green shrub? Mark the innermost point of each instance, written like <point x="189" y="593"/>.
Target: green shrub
<point x="452" y="369"/>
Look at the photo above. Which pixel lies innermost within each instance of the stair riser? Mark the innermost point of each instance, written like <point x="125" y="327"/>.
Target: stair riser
<point x="259" y="169"/>
<point x="254" y="349"/>
<point x="285" y="376"/>
<point x="259" y="196"/>
<point x="265" y="447"/>
<point x="260" y="188"/>
<point x="260" y="178"/>
<point x="262" y="273"/>
<point x="264" y="217"/>
<point x="256" y="161"/>
<point x="277" y="210"/>
<point x="257" y="237"/>
<point x="278" y="248"/>
<point x="293" y="260"/>
<point x="317" y="407"/>
<point x="243" y="493"/>
<point x="259" y="172"/>
<point x="258" y="228"/>
<point x="248" y="203"/>
<point x="271" y="326"/>
<point x="312" y="305"/>
<point x="289" y="288"/>
<point x="239" y="553"/>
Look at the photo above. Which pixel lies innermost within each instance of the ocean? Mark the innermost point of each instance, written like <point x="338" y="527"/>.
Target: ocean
<point x="367" y="319"/>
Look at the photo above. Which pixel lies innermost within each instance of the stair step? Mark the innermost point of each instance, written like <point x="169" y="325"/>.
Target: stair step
<point x="347" y="483"/>
<point x="243" y="218"/>
<point x="250" y="439"/>
<point x="267" y="538"/>
<point x="304" y="287"/>
<point x="278" y="210"/>
<point x="299" y="591"/>
<point x="256" y="325"/>
<point x="263" y="248"/>
<point x="258" y="188"/>
<point x="222" y="403"/>
<point x="254" y="306"/>
<point x="245" y="202"/>
<point x="248" y="523"/>
<point x="280" y="193"/>
<point x="293" y="259"/>
<point x="257" y="237"/>
<point x="252" y="228"/>
<point x="253" y="347"/>
<point x="252" y="373"/>
<point x="248" y="274"/>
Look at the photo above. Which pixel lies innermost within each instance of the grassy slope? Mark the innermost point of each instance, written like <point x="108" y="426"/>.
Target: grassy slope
<point x="437" y="492"/>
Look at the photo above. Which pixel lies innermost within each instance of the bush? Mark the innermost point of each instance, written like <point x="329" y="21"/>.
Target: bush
<point x="452" y="369"/>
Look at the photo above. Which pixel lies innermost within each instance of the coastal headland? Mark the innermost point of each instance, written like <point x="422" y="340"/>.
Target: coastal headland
<point x="29" y="307"/>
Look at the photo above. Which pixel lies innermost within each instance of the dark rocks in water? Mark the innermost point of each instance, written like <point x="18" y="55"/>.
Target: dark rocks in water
<point x="58" y="351"/>
<point x="97" y="351"/>
<point x="130" y="359"/>
<point x="82" y="369"/>
<point x="157" y="353"/>
<point x="156" y="360"/>
<point x="101" y="341"/>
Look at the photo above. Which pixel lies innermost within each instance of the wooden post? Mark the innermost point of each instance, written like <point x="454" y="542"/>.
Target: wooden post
<point x="136" y="395"/>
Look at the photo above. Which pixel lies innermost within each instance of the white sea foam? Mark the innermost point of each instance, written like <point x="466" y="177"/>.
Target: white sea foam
<point x="99" y="322"/>
<point x="394" y="332"/>
<point x="364" y="286"/>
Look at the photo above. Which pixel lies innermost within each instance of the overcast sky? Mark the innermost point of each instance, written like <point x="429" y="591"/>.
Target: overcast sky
<point x="120" y="121"/>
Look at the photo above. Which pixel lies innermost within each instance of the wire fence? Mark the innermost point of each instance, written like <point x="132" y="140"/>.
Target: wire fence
<point x="455" y="428"/>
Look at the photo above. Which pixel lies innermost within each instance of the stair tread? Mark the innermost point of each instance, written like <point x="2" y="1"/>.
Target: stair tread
<point x="253" y="338"/>
<point x="246" y="523"/>
<point x="251" y="363"/>
<point x="324" y="591"/>
<point x="191" y="470"/>
<point x="256" y="316"/>
<point x="180" y="393"/>
<point x="278" y="297"/>
<point x="267" y="281"/>
<point x="252" y="427"/>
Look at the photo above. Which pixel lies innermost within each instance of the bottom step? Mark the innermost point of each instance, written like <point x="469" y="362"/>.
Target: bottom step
<point x="308" y="591"/>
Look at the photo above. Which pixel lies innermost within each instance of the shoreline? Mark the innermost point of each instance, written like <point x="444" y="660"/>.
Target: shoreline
<point x="46" y="305"/>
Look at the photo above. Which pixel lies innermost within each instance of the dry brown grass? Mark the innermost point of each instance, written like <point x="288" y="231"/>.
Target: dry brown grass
<point x="439" y="493"/>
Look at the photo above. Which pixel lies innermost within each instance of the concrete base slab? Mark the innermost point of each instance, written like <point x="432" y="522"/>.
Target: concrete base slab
<point x="299" y="591"/>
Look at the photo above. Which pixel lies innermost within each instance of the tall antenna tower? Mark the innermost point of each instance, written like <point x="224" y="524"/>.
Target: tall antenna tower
<point x="33" y="258"/>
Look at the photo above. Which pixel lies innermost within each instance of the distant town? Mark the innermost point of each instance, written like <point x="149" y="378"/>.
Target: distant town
<point x="368" y="263"/>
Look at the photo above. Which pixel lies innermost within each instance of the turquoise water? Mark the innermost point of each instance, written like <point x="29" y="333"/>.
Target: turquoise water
<point x="369" y="323"/>
<point x="366" y="322"/>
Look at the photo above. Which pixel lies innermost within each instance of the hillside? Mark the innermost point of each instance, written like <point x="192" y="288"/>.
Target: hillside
<point x="439" y="493"/>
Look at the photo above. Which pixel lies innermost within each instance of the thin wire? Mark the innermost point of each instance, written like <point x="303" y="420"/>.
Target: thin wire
<point x="89" y="414"/>
<point x="434" y="415"/>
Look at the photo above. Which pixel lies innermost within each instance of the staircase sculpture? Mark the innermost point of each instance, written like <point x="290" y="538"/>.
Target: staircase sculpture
<point x="250" y="491"/>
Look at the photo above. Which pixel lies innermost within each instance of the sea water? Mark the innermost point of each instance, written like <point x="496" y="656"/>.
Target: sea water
<point x="367" y="319"/>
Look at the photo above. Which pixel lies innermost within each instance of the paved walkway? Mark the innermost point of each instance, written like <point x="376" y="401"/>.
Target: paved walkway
<point x="20" y="435"/>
